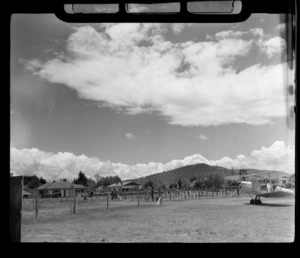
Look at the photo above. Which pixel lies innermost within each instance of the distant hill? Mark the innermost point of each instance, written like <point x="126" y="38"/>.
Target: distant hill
<point x="190" y="171"/>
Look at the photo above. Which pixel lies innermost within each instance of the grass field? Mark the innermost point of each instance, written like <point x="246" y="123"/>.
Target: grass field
<point x="204" y="220"/>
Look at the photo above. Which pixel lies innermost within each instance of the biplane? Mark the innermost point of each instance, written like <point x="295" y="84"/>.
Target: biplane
<point x="258" y="185"/>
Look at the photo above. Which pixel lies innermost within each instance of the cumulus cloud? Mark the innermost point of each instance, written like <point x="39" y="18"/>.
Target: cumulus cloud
<point x="230" y="34"/>
<point x="67" y="165"/>
<point x="267" y="45"/>
<point x="276" y="157"/>
<point x="202" y="137"/>
<point x="130" y="136"/>
<point x="133" y="68"/>
<point x="272" y="46"/>
<point x="56" y="165"/>
<point x="177" y="28"/>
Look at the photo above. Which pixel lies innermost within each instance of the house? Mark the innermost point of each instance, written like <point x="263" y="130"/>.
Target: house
<point x="61" y="189"/>
<point x="124" y="186"/>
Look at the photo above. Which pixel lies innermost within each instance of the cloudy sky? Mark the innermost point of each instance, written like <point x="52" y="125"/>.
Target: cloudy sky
<point x="136" y="99"/>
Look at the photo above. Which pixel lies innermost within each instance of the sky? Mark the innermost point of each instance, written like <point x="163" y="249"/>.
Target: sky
<point x="136" y="99"/>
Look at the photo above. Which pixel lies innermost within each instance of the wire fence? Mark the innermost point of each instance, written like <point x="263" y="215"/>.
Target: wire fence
<point x="137" y="197"/>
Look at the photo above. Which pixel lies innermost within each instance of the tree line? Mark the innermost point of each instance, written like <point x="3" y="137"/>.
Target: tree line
<point x="100" y="181"/>
<point x="214" y="180"/>
<point x="32" y="182"/>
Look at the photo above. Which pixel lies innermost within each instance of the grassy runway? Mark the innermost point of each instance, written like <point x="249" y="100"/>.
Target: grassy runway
<point x="205" y="220"/>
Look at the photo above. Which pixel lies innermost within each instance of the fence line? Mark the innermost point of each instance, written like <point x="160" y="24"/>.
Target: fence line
<point x="136" y="197"/>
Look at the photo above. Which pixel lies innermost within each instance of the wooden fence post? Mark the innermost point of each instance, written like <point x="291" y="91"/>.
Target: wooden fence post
<point x="15" y="197"/>
<point x="161" y="197"/>
<point x="107" y="200"/>
<point x="75" y="205"/>
<point x="139" y="197"/>
<point x="36" y="204"/>
<point x="73" y="193"/>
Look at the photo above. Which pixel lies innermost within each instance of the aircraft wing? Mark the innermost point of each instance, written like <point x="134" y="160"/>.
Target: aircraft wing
<point x="266" y="174"/>
<point x="278" y="194"/>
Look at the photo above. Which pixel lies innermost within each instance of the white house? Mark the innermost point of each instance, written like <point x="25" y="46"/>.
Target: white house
<point x="61" y="189"/>
<point x="123" y="187"/>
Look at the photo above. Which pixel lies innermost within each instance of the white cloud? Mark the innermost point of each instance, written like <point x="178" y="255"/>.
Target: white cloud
<point x="202" y="137"/>
<point x="230" y="34"/>
<point x="130" y="136"/>
<point x="209" y="37"/>
<point x="267" y="45"/>
<point x="257" y="32"/>
<point x="56" y="165"/>
<point x="273" y="46"/>
<point x="134" y="69"/>
<point x="67" y="165"/>
<point x="177" y="28"/>
<point x="241" y="156"/>
<point x="281" y="27"/>
<point x="276" y="157"/>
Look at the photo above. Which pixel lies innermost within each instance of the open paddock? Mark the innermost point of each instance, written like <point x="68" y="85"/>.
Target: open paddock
<point x="190" y="220"/>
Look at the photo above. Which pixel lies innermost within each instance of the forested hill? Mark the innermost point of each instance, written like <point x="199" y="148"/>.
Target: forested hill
<point x="188" y="172"/>
<point x="201" y="169"/>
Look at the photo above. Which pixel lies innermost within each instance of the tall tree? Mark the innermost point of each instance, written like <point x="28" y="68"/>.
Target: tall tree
<point x="193" y="179"/>
<point x="42" y="181"/>
<point x="33" y="181"/>
<point x="243" y="172"/>
<point x="149" y="184"/>
<point x="185" y="184"/>
<point x="173" y="185"/>
<point x="91" y="182"/>
<point x="179" y="183"/>
<point x="218" y="180"/>
<point x="81" y="180"/>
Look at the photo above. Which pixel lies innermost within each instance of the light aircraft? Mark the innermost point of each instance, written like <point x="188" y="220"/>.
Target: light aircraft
<point x="259" y="186"/>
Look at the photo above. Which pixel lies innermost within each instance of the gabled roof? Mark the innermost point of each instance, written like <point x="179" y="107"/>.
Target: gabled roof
<point x="116" y="184"/>
<point x="59" y="185"/>
<point x="130" y="183"/>
<point x="127" y="183"/>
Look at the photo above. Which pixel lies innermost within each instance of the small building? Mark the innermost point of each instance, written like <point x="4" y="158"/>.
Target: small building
<point x="124" y="186"/>
<point x="61" y="189"/>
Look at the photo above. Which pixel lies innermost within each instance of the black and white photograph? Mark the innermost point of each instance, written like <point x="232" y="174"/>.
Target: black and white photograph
<point x="152" y="132"/>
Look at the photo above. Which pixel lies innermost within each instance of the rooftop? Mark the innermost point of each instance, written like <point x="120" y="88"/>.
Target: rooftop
<point x="59" y="185"/>
<point x="125" y="183"/>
